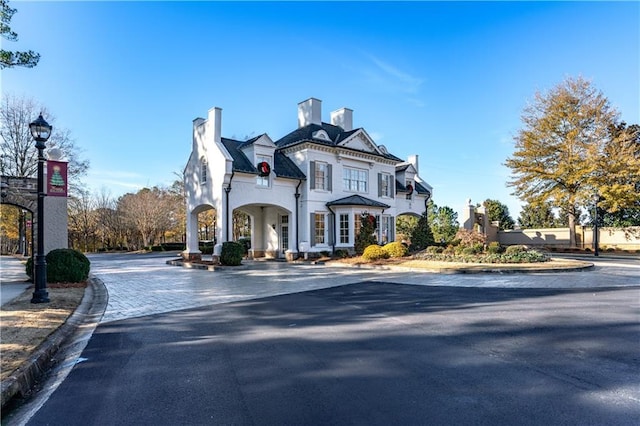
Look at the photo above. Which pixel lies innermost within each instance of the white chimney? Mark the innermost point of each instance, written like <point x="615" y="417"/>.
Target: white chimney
<point x="343" y="117"/>
<point x="214" y="123"/>
<point x="413" y="159"/>
<point x="309" y="112"/>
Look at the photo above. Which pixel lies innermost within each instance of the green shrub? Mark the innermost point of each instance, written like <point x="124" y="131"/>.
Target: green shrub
<point x="466" y="251"/>
<point x="232" y="253"/>
<point x="515" y="249"/>
<point x="325" y="253"/>
<point x="63" y="265"/>
<point x="494" y="248"/>
<point x="434" y="249"/>
<point x="374" y="252"/>
<point x="342" y="254"/>
<point x="395" y="249"/>
<point x="246" y="244"/>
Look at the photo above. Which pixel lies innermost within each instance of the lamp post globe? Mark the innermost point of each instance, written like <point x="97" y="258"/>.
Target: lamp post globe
<point x="41" y="131"/>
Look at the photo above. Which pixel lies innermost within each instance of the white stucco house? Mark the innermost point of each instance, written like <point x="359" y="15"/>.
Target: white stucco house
<point x="304" y="192"/>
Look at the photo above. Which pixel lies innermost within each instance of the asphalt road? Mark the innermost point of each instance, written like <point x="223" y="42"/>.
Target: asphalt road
<point x="371" y="353"/>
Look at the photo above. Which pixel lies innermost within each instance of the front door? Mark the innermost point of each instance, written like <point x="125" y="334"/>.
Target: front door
<point x="284" y="234"/>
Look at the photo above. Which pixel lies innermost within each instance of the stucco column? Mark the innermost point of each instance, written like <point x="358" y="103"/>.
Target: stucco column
<point x="55" y="223"/>
<point x="192" y="250"/>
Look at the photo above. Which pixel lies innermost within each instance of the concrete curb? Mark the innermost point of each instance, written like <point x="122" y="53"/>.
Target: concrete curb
<point x="462" y="270"/>
<point x="44" y="358"/>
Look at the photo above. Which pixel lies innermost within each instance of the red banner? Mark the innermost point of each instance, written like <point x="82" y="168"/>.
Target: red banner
<point x="56" y="178"/>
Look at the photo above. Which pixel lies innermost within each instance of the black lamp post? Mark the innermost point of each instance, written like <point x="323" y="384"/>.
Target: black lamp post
<point x="40" y="130"/>
<point x="596" y="251"/>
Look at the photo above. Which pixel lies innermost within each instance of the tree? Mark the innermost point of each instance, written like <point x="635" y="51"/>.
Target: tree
<point x="82" y="220"/>
<point x="444" y="223"/>
<point x="366" y="235"/>
<point x="422" y="237"/>
<point x="19" y="153"/>
<point x="500" y="212"/>
<point x="405" y="225"/>
<point x="617" y="178"/>
<point x="10" y="59"/>
<point x="148" y="213"/>
<point x="540" y="216"/>
<point x="558" y="150"/>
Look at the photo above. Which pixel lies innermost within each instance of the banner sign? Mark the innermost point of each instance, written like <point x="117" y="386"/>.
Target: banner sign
<point x="56" y="178"/>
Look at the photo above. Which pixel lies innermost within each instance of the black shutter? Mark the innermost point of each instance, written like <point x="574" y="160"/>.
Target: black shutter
<point x="312" y="227"/>
<point x="312" y="173"/>
<point x="379" y="184"/>
<point x="329" y="177"/>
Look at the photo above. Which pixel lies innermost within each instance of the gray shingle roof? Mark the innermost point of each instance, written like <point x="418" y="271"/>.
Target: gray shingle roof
<point x="335" y="133"/>
<point x="357" y="200"/>
<point x="282" y="167"/>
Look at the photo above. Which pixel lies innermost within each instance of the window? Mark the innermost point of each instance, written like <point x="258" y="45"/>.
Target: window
<point x="319" y="237"/>
<point x="344" y="229"/>
<point x="354" y="180"/>
<point x="384" y="185"/>
<point x="203" y="171"/>
<point x="284" y="232"/>
<point x="387" y="229"/>
<point x="263" y="180"/>
<point x="321" y="176"/>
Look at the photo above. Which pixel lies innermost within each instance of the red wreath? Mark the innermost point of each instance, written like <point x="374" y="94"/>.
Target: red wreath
<point x="409" y="189"/>
<point x="263" y="169"/>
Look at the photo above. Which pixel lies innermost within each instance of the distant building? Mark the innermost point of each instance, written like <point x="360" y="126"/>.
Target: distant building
<point x="305" y="192"/>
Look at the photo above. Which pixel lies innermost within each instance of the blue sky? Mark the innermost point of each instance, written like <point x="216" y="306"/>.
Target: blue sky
<point x="447" y="81"/>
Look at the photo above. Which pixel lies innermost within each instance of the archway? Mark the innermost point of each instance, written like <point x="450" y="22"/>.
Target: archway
<point x="269" y="228"/>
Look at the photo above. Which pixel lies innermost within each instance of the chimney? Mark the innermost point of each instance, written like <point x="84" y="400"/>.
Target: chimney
<point x="309" y="112"/>
<point x="413" y="159"/>
<point x="343" y="117"/>
<point x="214" y="122"/>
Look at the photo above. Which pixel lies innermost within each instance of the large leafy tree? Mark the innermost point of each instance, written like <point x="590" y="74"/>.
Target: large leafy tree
<point x="558" y="150"/>
<point x="541" y="216"/>
<point x="444" y="223"/>
<point x="617" y="176"/>
<point x="500" y="212"/>
<point x="18" y="149"/>
<point x="8" y="58"/>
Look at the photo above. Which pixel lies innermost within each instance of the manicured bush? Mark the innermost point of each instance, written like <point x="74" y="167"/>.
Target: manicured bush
<point x="494" y="248"/>
<point x="342" y="254"/>
<point x="232" y="253"/>
<point x="515" y="249"/>
<point x="325" y="253"/>
<point x="469" y="238"/>
<point x="246" y="244"/>
<point x="434" y="249"/>
<point x="395" y="249"/>
<point x="374" y="252"/>
<point x="63" y="265"/>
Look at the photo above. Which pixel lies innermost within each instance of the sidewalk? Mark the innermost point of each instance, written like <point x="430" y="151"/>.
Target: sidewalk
<point x="13" y="279"/>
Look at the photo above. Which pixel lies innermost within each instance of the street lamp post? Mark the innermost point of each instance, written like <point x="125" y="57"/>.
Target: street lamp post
<point x="596" y="251"/>
<point x="40" y="130"/>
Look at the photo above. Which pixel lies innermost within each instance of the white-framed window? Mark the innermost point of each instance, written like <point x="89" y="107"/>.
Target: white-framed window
<point x="384" y="185"/>
<point x="319" y="228"/>
<point x="320" y="175"/>
<point x="354" y="179"/>
<point x="344" y="228"/>
<point x="203" y="171"/>
<point x="386" y="230"/>
<point x="263" y="181"/>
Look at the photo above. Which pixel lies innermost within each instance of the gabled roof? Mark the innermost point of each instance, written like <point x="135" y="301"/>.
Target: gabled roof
<point x="357" y="200"/>
<point x="282" y="167"/>
<point x="336" y="135"/>
<point x="417" y="186"/>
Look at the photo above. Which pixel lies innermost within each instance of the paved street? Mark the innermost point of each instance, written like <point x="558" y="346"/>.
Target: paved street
<point x="144" y="285"/>
<point x="275" y="343"/>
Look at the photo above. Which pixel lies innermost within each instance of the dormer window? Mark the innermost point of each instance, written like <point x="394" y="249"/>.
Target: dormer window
<point x="203" y="171"/>
<point x="410" y="189"/>
<point x="263" y="178"/>
<point x="320" y="134"/>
